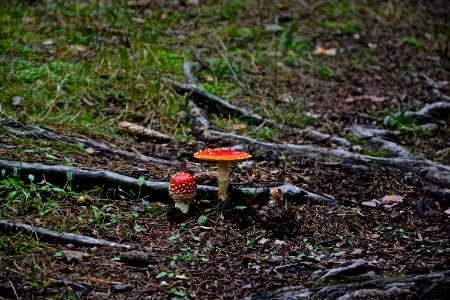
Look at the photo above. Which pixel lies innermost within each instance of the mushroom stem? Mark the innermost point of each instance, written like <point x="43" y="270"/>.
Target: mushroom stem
<point x="184" y="207"/>
<point x="222" y="175"/>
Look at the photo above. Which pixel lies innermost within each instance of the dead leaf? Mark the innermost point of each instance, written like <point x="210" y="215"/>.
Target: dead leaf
<point x="236" y="127"/>
<point x="142" y="131"/>
<point x="392" y="198"/>
<point x="447" y="212"/>
<point x="74" y="256"/>
<point x="279" y="242"/>
<point x="90" y="150"/>
<point x="375" y="98"/>
<point x="357" y="251"/>
<point x="321" y="50"/>
<point x="79" y="48"/>
<point x="28" y="20"/>
<point x="263" y="241"/>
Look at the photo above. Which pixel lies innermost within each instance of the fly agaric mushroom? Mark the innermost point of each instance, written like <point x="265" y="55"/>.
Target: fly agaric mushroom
<point x="223" y="157"/>
<point x="182" y="189"/>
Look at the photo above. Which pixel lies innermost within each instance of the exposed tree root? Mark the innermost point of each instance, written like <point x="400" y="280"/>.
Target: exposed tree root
<point x="50" y="236"/>
<point x="155" y="190"/>
<point x="34" y="131"/>
<point x="403" y="162"/>
<point x="370" y="136"/>
<point x="427" y="286"/>
<point x="428" y="170"/>
<point x="218" y="105"/>
<point x="436" y="110"/>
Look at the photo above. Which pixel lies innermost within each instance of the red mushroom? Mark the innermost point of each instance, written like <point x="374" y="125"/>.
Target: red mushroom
<point x="182" y="189"/>
<point x="223" y="157"/>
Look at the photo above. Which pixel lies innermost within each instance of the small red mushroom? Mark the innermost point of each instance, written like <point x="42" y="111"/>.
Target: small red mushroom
<point x="182" y="189"/>
<point x="223" y="158"/>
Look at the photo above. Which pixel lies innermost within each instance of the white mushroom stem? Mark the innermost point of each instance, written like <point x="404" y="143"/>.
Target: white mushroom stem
<point x="222" y="175"/>
<point x="183" y="206"/>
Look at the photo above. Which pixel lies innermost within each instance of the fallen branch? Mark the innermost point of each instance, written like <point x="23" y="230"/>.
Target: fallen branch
<point x="50" y="236"/>
<point x="155" y="190"/>
<point x="34" y="131"/>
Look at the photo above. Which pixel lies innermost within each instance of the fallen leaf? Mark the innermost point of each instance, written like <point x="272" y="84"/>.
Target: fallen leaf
<point x="74" y="256"/>
<point x="375" y="98"/>
<point x="392" y="198"/>
<point x="236" y="127"/>
<point x="263" y="241"/>
<point x="279" y="242"/>
<point x="142" y="131"/>
<point x="321" y="50"/>
<point x="90" y="150"/>
<point x="28" y="20"/>
<point x="79" y="48"/>
<point x="357" y="251"/>
<point x="447" y="212"/>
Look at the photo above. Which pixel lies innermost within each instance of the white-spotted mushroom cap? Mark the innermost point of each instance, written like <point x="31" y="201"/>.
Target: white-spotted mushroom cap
<point x="221" y="155"/>
<point x="182" y="189"/>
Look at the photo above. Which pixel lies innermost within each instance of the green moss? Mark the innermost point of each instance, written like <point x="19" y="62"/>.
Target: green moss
<point x="353" y="139"/>
<point x="375" y="153"/>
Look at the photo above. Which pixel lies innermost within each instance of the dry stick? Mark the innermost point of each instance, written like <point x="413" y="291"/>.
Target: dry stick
<point x="157" y="190"/>
<point x="34" y="131"/>
<point x="46" y="235"/>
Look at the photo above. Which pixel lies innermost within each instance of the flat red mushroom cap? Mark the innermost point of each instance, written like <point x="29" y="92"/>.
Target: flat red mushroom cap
<point x="221" y="154"/>
<point x="182" y="187"/>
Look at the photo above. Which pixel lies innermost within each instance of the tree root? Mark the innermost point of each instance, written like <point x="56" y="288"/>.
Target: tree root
<point x="201" y="97"/>
<point x="34" y="131"/>
<point x="404" y="162"/>
<point x="46" y="235"/>
<point x="427" y="286"/>
<point x="155" y="190"/>
<point x="370" y="136"/>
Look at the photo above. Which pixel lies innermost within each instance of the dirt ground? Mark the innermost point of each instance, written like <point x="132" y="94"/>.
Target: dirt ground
<point x="235" y="250"/>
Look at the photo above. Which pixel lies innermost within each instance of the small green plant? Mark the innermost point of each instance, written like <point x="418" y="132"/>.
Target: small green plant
<point x="414" y="43"/>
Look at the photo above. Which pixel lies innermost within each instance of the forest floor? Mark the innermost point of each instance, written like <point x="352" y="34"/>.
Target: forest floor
<point x="78" y="69"/>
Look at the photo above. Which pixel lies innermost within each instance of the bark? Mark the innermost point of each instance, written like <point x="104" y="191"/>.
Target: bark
<point x="154" y="190"/>
<point x="34" y="131"/>
<point x="428" y="286"/>
<point x="50" y="236"/>
<point x="369" y="135"/>
<point x="218" y="105"/>
<point x="429" y="171"/>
